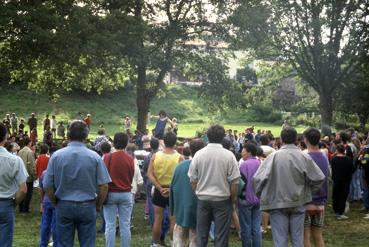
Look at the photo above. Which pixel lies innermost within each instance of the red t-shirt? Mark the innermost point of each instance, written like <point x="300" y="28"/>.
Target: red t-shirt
<point x="41" y="164"/>
<point x="121" y="169"/>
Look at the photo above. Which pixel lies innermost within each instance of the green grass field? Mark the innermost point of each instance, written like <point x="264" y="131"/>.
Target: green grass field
<point x="352" y="232"/>
<point x="110" y="108"/>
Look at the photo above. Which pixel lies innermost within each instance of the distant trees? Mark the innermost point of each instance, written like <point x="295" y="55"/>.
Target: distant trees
<point x="56" y="45"/>
<point x="320" y="39"/>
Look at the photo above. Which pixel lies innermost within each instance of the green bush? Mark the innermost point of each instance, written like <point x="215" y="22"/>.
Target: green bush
<point x="306" y="121"/>
<point x="263" y="113"/>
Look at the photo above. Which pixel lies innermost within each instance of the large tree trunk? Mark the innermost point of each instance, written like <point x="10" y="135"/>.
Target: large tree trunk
<point x="326" y="111"/>
<point x="142" y="99"/>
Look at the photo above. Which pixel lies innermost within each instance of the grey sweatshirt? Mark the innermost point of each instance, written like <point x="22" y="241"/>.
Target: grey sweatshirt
<point x="287" y="178"/>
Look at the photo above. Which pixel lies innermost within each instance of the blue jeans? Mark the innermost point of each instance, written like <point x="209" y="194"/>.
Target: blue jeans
<point x="250" y="221"/>
<point x="48" y="225"/>
<point x="366" y="196"/>
<point x="72" y="216"/>
<point x="355" y="186"/>
<point x="7" y="219"/>
<point x="121" y="203"/>
<point x="148" y="187"/>
<point x="288" y="220"/>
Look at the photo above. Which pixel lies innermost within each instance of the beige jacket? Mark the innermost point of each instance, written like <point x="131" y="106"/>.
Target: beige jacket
<point x="28" y="157"/>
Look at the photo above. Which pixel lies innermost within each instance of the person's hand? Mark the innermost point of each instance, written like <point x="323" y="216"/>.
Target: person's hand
<point x="98" y="208"/>
<point x="164" y="192"/>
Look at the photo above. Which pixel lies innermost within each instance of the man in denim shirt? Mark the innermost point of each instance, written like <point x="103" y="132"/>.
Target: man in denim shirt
<point x="77" y="182"/>
<point x="13" y="176"/>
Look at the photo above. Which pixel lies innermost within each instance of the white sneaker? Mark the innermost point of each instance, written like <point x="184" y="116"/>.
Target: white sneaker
<point x="156" y="245"/>
<point x="342" y="217"/>
<point x="366" y="217"/>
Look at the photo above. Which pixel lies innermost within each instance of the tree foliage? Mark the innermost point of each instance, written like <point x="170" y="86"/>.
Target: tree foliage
<point x="321" y="39"/>
<point x="57" y="45"/>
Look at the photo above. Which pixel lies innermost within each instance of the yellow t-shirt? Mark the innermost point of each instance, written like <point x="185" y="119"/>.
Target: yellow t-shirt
<point x="164" y="166"/>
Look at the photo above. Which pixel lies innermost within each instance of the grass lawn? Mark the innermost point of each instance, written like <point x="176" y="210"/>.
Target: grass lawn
<point x="352" y="232"/>
<point x="110" y="108"/>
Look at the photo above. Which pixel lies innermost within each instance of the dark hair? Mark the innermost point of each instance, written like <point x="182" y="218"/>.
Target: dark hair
<point x="78" y="131"/>
<point x="345" y="137"/>
<point x="26" y="141"/>
<point x="53" y="149"/>
<point x="162" y="113"/>
<point x="186" y="151"/>
<point x="105" y="147"/>
<point x="44" y="148"/>
<point x="170" y="139"/>
<point x="3" y="132"/>
<point x="216" y="133"/>
<point x="154" y="143"/>
<point x="120" y="140"/>
<point x="312" y="135"/>
<point x="9" y="146"/>
<point x="264" y="140"/>
<point x="259" y="151"/>
<point x="131" y="148"/>
<point x="340" y="148"/>
<point x="251" y="148"/>
<point x="226" y="143"/>
<point x="196" y="145"/>
<point x="289" y="135"/>
<point x="101" y="131"/>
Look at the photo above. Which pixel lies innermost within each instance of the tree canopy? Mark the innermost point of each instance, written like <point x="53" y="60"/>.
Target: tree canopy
<point x="321" y="39"/>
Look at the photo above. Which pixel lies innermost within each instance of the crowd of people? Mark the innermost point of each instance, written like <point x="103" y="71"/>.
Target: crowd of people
<point x="194" y="190"/>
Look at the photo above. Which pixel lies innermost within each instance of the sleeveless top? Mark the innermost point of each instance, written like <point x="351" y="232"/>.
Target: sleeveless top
<point x="160" y="128"/>
<point x="164" y="166"/>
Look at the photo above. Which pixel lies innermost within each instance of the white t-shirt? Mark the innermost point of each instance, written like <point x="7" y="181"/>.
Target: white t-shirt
<point x="137" y="178"/>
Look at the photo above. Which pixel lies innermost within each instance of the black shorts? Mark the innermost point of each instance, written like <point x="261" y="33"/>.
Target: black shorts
<point x="159" y="200"/>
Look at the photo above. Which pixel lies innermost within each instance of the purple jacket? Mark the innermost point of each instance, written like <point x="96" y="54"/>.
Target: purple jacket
<point x="248" y="168"/>
<point x="320" y="197"/>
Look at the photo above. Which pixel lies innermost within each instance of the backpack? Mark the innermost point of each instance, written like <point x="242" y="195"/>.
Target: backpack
<point x="242" y="183"/>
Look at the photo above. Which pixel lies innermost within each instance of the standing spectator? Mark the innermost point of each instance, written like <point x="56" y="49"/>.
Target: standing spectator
<point x="33" y="136"/>
<point x="53" y="125"/>
<point x="314" y="215"/>
<point x="154" y="145"/>
<point x="14" y="123"/>
<point x="175" y="126"/>
<point x="127" y="123"/>
<point x="364" y="160"/>
<point x="214" y="176"/>
<point x="249" y="208"/>
<point x="42" y="160"/>
<point x="88" y="120"/>
<point x="21" y="125"/>
<point x="285" y="187"/>
<point x="121" y="169"/>
<point x="61" y="130"/>
<point x="46" y="122"/>
<point x="48" y="224"/>
<point x="48" y="137"/>
<point x="32" y="122"/>
<point x="100" y="138"/>
<point x="266" y="145"/>
<point x="342" y="170"/>
<point x="160" y="173"/>
<point x="183" y="202"/>
<point x="77" y="183"/>
<point x="13" y="189"/>
<point x="28" y="157"/>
